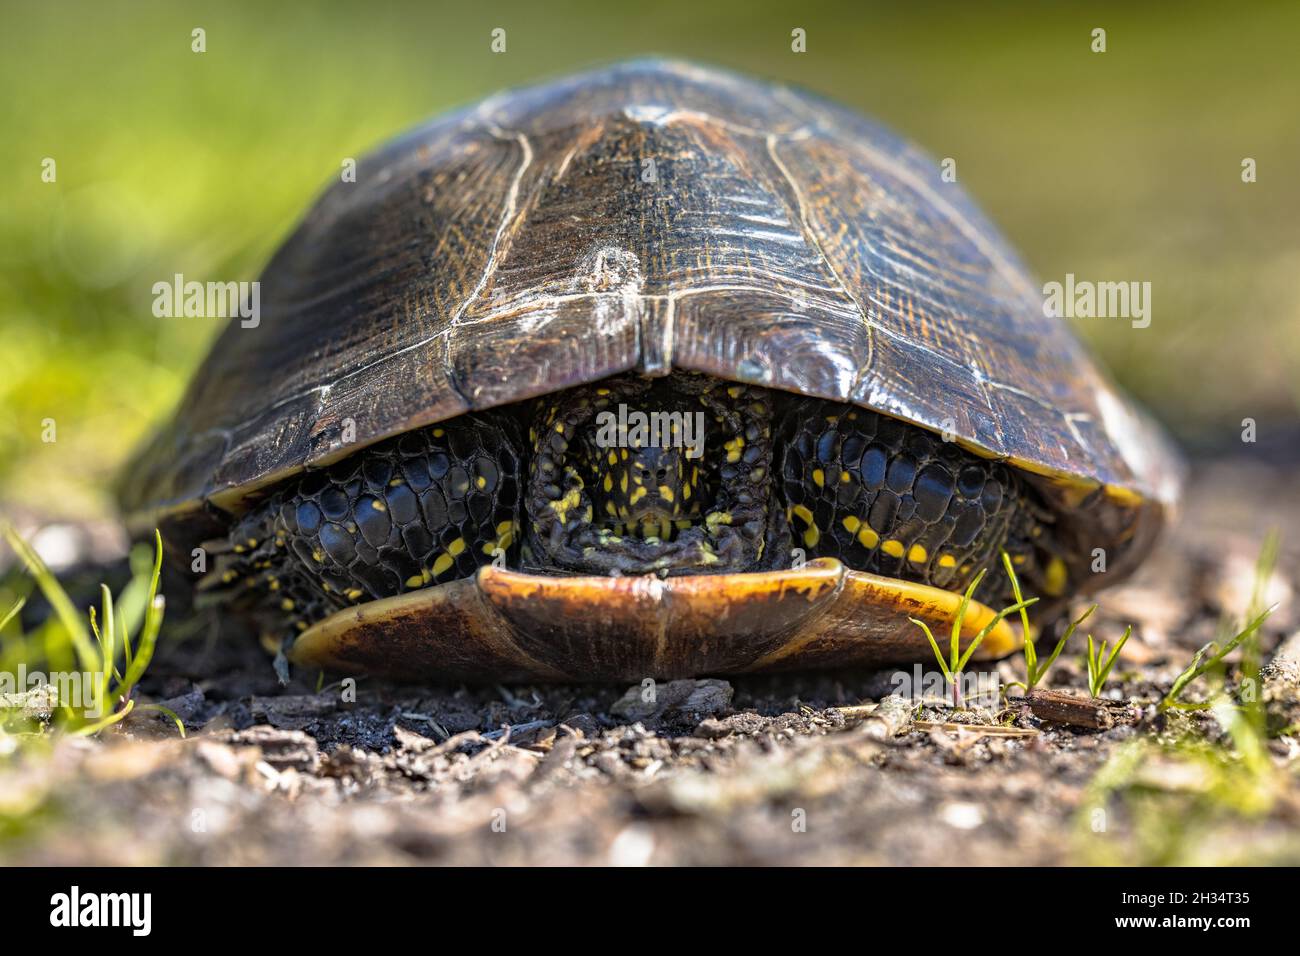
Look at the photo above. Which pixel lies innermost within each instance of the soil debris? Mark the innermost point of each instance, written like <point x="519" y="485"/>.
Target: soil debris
<point x="793" y="769"/>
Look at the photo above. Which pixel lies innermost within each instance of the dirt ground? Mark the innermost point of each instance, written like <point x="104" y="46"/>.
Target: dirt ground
<point x="789" y="770"/>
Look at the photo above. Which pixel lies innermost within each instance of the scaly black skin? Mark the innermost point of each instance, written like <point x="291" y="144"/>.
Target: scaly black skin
<point x="427" y="507"/>
<point x="781" y="478"/>
<point x="886" y="497"/>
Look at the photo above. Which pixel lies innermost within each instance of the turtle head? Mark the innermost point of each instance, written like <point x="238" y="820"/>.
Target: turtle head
<point x="625" y="479"/>
<point x="651" y="486"/>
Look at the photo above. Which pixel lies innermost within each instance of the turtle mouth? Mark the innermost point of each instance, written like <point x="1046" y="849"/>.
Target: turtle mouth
<point x="653" y="526"/>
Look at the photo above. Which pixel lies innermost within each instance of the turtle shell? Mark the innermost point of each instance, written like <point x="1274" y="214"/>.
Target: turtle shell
<point x="652" y="216"/>
<point x="648" y="216"/>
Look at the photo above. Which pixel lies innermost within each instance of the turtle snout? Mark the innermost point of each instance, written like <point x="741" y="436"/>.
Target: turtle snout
<point x="658" y="486"/>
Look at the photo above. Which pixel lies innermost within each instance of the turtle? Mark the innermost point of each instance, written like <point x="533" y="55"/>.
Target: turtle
<point x="656" y="370"/>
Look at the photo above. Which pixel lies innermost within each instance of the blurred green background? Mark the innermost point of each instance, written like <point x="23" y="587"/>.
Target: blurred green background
<point x="1117" y="166"/>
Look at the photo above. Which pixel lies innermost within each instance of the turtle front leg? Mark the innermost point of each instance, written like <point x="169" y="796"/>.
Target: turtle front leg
<point x="429" y="507"/>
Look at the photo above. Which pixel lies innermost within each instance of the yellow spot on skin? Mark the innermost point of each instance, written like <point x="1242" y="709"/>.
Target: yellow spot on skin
<point x="819" y="478"/>
<point x="396" y="482"/>
<point x="355" y="594"/>
<point x="917" y="554"/>
<point x="613" y="458"/>
<point x="481" y="481"/>
<point x="666" y="493"/>
<point x="623" y="453"/>
<point x="275" y="585"/>
<point x="602" y="391"/>
<point x="570" y="500"/>
<point x="317" y="556"/>
<point x="608" y="483"/>
<point x="733" y="448"/>
<point x="637" y="495"/>
<point x="610" y="509"/>
<point x="415" y="581"/>
<point x="868" y="537"/>
<point x="686" y="492"/>
<point x="380" y="506"/>
<point x="845" y="477"/>
<point x="442" y="564"/>
<point x="734" y="391"/>
<point x="438" y="433"/>
<point x="622" y="483"/>
<point x="811" y="537"/>
<point x="559" y="427"/>
<point x="803" y="514"/>
<point x="239" y="549"/>
<point x="1055" y="579"/>
<point x="851" y="524"/>
<point x="892" y="548"/>
<point x="947" y="561"/>
<point x="229" y="576"/>
<point x="456" y="547"/>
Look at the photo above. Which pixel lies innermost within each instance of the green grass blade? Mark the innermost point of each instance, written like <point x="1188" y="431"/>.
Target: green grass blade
<point x="1200" y="664"/>
<point x="988" y="629"/>
<point x="148" y="641"/>
<point x="54" y="593"/>
<point x="954" y="644"/>
<point x="180" y="724"/>
<point x="152" y="624"/>
<point x="938" y="654"/>
<point x="1092" y="668"/>
<point x="1264" y="566"/>
<point x="108" y="643"/>
<point x="90" y="730"/>
<point x="12" y="613"/>
<point x="1065" y="639"/>
<point x="1031" y="652"/>
<point x="1110" y="661"/>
